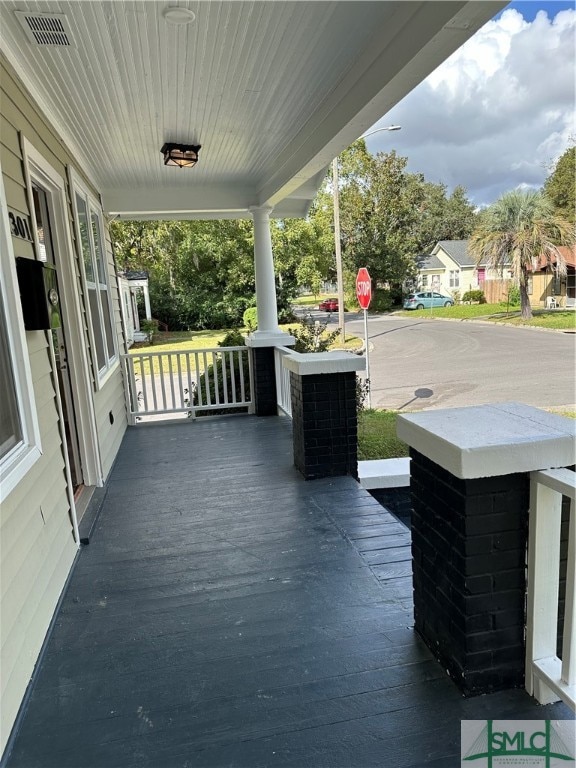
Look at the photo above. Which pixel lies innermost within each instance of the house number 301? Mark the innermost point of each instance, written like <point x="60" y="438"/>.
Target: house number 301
<point x="19" y="226"/>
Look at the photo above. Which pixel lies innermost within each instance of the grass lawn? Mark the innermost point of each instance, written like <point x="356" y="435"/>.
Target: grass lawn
<point x="457" y="312"/>
<point x="560" y="320"/>
<point x="377" y="436"/>
<point x="309" y="300"/>
<point x="543" y="318"/>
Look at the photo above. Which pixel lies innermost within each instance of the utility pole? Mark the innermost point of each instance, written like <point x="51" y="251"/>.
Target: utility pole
<point x="337" y="237"/>
<point x="338" y="250"/>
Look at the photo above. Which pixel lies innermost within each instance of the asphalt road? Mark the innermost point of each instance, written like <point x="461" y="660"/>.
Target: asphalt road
<point x="417" y="363"/>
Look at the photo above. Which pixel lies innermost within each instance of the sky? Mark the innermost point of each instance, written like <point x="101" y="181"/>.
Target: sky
<point x="499" y="112"/>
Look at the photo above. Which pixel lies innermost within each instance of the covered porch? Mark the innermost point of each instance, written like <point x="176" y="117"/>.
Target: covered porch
<point x="227" y="612"/>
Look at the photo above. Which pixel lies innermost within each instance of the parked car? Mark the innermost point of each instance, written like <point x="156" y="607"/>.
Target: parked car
<point x="427" y="299"/>
<point x="328" y="305"/>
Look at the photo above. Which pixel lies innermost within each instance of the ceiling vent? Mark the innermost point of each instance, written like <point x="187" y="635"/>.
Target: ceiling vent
<point x="46" y="28"/>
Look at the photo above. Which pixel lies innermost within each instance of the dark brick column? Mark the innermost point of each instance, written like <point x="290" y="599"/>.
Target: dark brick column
<point x="470" y="483"/>
<point x="468" y="547"/>
<point x="324" y="414"/>
<point x="264" y="381"/>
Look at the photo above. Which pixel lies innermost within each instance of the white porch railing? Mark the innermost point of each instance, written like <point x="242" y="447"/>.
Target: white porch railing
<point x="283" y="397"/>
<point x="548" y="676"/>
<point x="188" y="382"/>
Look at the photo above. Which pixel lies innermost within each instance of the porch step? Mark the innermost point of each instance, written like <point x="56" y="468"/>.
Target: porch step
<point x="384" y="473"/>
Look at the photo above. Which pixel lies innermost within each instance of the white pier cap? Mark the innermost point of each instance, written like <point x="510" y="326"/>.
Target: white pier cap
<point x="311" y="363"/>
<point x="491" y="440"/>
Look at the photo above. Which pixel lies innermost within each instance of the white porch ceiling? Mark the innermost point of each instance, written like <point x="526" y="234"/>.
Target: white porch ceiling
<point x="271" y="90"/>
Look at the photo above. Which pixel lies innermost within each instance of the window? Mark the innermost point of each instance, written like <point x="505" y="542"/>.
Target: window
<point x="454" y="278"/>
<point x="424" y="281"/>
<point x="98" y="298"/>
<point x="19" y="433"/>
<point x="556" y="283"/>
<point x="10" y="425"/>
<point x="529" y="285"/>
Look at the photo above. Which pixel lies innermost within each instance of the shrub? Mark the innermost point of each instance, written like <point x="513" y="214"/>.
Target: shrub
<point x="475" y="295"/>
<point x="513" y="297"/>
<point x="250" y="319"/>
<point x="456" y="296"/>
<point x="234" y="338"/>
<point x="362" y="389"/>
<point x="313" y="336"/>
<point x="382" y="300"/>
<point x="149" y="327"/>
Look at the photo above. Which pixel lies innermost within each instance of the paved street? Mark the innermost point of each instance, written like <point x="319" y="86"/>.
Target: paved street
<point x="417" y="363"/>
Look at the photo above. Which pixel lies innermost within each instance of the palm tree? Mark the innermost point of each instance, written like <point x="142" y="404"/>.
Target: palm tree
<point x="517" y="231"/>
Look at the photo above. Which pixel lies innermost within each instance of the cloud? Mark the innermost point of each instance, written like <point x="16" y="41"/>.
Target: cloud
<point x="497" y="114"/>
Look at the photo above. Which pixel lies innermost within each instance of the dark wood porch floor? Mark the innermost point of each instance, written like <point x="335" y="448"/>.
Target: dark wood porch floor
<point x="227" y="613"/>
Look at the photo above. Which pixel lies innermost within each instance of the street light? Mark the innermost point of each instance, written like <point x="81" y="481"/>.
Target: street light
<point x="337" y="244"/>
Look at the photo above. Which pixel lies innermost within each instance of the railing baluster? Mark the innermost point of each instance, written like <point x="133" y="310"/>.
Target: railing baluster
<point x="241" y="374"/>
<point x="144" y="383"/>
<point x="547" y="677"/>
<point x="170" y="358"/>
<point x="133" y="392"/>
<point x="224" y="378"/>
<point x="190" y="387"/>
<point x="569" y="638"/>
<point x="162" y="386"/>
<point x="283" y="398"/>
<point x="234" y="399"/>
<point x="215" y="361"/>
<point x="153" y="382"/>
<point x="180" y="382"/>
<point x="207" y="380"/>
<point x="170" y="361"/>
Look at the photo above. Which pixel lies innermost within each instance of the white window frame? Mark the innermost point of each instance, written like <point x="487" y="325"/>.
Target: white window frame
<point x="38" y="171"/>
<point x="454" y="277"/>
<point x="101" y="373"/>
<point x="424" y="281"/>
<point x="22" y="457"/>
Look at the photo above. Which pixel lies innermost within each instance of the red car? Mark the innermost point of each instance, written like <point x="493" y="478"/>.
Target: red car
<point x="329" y="305"/>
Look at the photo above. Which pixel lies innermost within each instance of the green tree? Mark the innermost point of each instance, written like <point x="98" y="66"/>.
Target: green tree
<point x="560" y="186"/>
<point x="201" y="272"/>
<point x="516" y="231"/>
<point x="299" y="259"/>
<point x="388" y="215"/>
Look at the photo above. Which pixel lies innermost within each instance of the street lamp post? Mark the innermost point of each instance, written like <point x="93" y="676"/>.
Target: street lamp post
<point x="337" y="238"/>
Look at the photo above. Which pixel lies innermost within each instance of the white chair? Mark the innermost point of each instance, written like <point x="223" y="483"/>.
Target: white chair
<point x="551" y="302"/>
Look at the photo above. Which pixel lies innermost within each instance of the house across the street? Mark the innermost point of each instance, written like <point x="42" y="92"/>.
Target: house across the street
<point x="451" y="269"/>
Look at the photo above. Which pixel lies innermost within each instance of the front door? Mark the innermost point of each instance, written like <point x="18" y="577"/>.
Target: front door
<point x="47" y="253"/>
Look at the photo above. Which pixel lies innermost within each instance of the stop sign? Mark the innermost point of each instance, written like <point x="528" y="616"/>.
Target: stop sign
<point x="363" y="288"/>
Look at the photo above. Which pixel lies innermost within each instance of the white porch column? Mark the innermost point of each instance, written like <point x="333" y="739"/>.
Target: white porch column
<point x="264" y="271"/>
<point x="147" y="302"/>
<point x="268" y="333"/>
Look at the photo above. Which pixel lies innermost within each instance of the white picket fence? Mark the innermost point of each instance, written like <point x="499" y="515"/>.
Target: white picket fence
<point x="183" y="383"/>
<point x="550" y="677"/>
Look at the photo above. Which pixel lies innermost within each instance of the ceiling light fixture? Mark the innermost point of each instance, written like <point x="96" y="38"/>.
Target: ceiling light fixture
<point x="182" y="155"/>
<point x="175" y="15"/>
